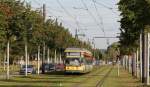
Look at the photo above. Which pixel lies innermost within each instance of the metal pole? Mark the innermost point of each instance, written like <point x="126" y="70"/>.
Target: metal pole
<point x="44" y="12"/>
<point x="76" y="33"/>
<point x="43" y="59"/>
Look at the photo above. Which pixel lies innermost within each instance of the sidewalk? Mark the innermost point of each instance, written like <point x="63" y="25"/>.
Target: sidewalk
<point x="124" y="80"/>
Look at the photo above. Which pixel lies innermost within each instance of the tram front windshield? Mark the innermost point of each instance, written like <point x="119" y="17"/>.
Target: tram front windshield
<point x="72" y="61"/>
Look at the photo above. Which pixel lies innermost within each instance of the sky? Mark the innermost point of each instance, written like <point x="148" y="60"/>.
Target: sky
<point x="93" y="18"/>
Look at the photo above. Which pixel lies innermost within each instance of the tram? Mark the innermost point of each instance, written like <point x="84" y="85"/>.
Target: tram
<point x="78" y="60"/>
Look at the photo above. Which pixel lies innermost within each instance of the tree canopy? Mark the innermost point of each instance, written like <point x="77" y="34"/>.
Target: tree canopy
<point x="18" y="22"/>
<point x="135" y="19"/>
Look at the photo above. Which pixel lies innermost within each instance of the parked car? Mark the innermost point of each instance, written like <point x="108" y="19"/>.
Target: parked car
<point x="60" y="67"/>
<point x="30" y="69"/>
<point x="49" y="67"/>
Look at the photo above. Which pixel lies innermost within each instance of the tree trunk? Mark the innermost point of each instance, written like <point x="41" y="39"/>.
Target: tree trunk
<point x="38" y="61"/>
<point x="7" y="76"/>
<point x="147" y="59"/>
<point x="141" y="73"/>
<point x="137" y="63"/>
<point x="4" y="60"/>
<point x="48" y="59"/>
<point x="43" y="59"/>
<point x="129" y="63"/>
<point x="55" y="61"/>
<point x="28" y="62"/>
<point x="144" y="53"/>
<point x="123" y="58"/>
<point x="134" y="64"/>
<point x="60" y="60"/>
<point x="118" y="66"/>
<point x="52" y="61"/>
<point x="126" y="62"/>
<point x="26" y="57"/>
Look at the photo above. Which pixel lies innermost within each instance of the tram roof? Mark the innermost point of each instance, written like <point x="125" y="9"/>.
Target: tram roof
<point x="77" y="50"/>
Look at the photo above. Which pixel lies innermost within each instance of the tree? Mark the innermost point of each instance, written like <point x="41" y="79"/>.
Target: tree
<point x="25" y="29"/>
<point x="7" y="13"/>
<point x="113" y="51"/>
<point x="135" y="19"/>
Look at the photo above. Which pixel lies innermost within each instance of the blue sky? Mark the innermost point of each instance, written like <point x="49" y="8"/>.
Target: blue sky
<point x="90" y="22"/>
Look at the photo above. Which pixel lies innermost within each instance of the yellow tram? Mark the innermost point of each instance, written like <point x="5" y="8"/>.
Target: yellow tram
<point x="78" y="60"/>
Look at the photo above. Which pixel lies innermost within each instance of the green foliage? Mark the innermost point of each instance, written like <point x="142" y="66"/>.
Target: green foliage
<point x="135" y="17"/>
<point x="113" y="51"/>
<point x="19" y="23"/>
<point x="97" y="54"/>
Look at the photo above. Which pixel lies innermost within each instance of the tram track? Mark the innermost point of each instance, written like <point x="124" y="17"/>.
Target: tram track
<point x="101" y="82"/>
<point x="89" y="76"/>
